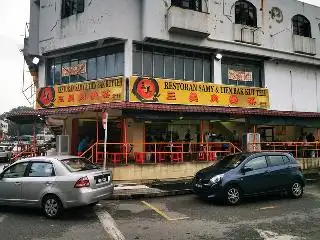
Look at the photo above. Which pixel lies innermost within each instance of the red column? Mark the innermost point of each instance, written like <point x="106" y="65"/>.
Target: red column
<point x="124" y="130"/>
<point x="201" y="131"/>
<point x="97" y="127"/>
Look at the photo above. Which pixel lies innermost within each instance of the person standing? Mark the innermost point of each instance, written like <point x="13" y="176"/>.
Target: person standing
<point x="187" y="139"/>
<point x="83" y="145"/>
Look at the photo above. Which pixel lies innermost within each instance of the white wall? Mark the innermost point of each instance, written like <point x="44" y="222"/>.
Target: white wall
<point x="293" y="87"/>
<point x="101" y="19"/>
<point x="139" y="19"/>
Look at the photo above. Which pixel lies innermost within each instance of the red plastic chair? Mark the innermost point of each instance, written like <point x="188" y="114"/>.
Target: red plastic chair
<point x="212" y="156"/>
<point x="201" y="156"/>
<point x="176" y="157"/>
<point x="115" y="157"/>
<point x="139" y="157"/>
<point x="161" y="157"/>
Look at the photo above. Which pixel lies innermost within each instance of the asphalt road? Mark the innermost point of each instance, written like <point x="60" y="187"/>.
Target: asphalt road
<point x="187" y="217"/>
<point x="181" y="217"/>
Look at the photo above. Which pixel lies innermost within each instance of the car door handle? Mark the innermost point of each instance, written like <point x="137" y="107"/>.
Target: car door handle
<point x="18" y="183"/>
<point x="48" y="183"/>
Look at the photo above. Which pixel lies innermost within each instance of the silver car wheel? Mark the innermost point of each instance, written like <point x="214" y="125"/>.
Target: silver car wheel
<point x="51" y="207"/>
<point x="233" y="195"/>
<point x="296" y="189"/>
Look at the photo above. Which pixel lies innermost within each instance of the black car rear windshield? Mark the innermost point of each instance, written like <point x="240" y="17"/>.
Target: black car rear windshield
<point x="78" y="164"/>
<point x="231" y="161"/>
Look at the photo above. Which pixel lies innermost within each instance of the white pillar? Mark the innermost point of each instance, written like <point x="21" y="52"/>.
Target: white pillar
<point x="128" y="49"/>
<point x="217" y="74"/>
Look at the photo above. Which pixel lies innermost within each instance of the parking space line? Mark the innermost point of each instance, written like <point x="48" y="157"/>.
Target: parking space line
<point x="266" y="208"/>
<point x="157" y="210"/>
<point x="2" y="217"/>
<point x="110" y="225"/>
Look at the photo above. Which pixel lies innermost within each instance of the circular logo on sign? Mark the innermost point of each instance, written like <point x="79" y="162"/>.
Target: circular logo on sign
<point x="46" y="97"/>
<point x="146" y="89"/>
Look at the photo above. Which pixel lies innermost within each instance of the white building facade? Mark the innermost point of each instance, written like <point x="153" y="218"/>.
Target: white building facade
<point x="278" y="41"/>
<point x="185" y="49"/>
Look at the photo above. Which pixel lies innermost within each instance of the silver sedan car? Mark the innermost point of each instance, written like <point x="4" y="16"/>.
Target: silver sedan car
<point x="54" y="183"/>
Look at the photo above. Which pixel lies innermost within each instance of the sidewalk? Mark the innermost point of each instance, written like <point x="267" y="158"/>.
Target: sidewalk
<point x="172" y="188"/>
<point x="160" y="189"/>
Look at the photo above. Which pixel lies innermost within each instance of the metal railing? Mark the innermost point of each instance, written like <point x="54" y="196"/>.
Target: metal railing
<point x="297" y="149"/>
<point x="160" y="152"/>
<point x="25" y="150"/>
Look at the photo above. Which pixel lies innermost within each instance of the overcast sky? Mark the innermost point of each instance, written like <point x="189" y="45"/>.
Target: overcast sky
<point x="12" y="25"/>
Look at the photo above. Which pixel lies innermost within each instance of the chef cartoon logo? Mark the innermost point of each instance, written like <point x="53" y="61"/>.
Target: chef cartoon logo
<point x="46" y="97"/>
<point x="146" y="89"/>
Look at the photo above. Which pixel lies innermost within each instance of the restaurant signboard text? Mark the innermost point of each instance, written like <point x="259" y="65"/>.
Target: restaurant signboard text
<point x="165" y="91"/>
<point x="74" y="70"/>
<point x="81" y="93"/>
<point x="242" y="76"/>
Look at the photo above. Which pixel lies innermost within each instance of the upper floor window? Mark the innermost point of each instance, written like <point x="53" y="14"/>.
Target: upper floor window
<point x="171" y="63"/>
<point x="301" y="26"/>
<point x="71" y="7"/>
<point x="241" y="72"/>
<point x="246" y="13"/>
<point x="86" y="66"/>
<point x="195" y="5"/>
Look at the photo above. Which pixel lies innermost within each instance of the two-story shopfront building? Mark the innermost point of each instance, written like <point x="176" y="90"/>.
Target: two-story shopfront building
<point x="181" y="81"/>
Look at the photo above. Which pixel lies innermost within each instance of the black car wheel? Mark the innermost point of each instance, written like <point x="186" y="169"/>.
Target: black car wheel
<point x="233" y="195"/>
<point x="296" y="190"/>
<point x="52" y="207"/>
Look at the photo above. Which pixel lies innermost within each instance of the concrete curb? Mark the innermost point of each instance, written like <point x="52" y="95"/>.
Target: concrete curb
<point x="151" y="195"/>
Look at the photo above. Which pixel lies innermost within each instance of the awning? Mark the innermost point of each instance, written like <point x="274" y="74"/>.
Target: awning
<point x="234" y="112"/>
<point x="159" y="116"/>
<point x="284" y="121"/>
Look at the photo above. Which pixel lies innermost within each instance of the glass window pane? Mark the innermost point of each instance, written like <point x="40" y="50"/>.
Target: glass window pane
<point x="285" y="159"/>
<point x="84" y="76"/>
<point x="206" y="71"/>
<point x="158" y="65"/>
<point x="92" y="68"/>
<point x="276" y="160"/>
<point x="189" y="69"/>
<point x="74" y="78"/>
<point x="50" y="73"/>
<point x="179" y="68"/>
<point x="111" y="61"/>
<point x="16" y="171"/>
<point x="137" y="63"/>
<point x="198" y="68"/>
<point x="169" y="66"/>
<point x="57" y="74"/>
<point x="65" y="79"/>
<point x="257" y="163"/>
<point x="41" y="170"/>
<point x="101" y="67"/>
<point x="119" y="64"/>
<point x="147" y="64"/>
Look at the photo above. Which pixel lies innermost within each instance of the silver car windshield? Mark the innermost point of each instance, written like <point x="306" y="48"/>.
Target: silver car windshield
<point x="78" y="164"/>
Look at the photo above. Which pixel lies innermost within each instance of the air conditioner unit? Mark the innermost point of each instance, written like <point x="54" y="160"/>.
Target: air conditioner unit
<point x="63" y="145"/>
<point x="251" y="142"/>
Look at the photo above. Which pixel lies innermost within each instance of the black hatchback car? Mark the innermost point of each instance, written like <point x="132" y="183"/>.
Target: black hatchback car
<point x="247" y="174"/>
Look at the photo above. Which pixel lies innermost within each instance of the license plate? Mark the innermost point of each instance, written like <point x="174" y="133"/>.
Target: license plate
<point x="198" y="185"/>
<point x="102" y="179"/>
